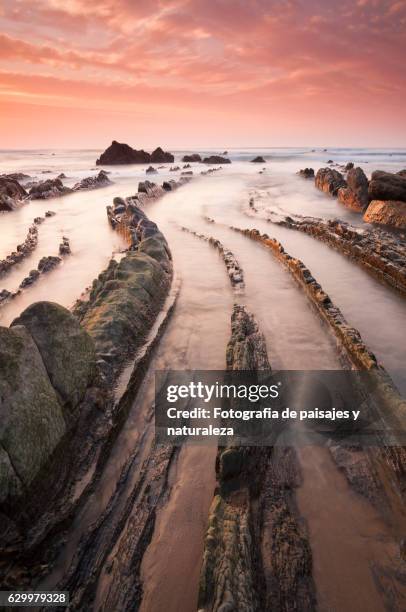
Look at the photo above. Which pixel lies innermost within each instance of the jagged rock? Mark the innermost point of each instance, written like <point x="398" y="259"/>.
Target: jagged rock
<point x="62" y="175"/>
<point x="64" y="247"/>
<point x="22" y="250"/>
<point x="121" y="153"/>
<point x="169" y="185"/>
<point x="11" y="193"/>
<point x="30" y="279"/>
<point x="48" y="189"/>
<point x="4" y="295"/>
<point x="31" y="418"/>
<point x="146" y="187"/>
<point x="39" y="220"/>
<point x="93" y="182"/>
<point x="50" y="213"/>
<point x="216" y="159"/>
<point x="329" y="180"/>
<point x="348" y="166"/>
<point x="151" y="170"/>
<point x="355" y="195"/>
<point x="194" y="157"/>
<point x="66" y="349"/>
<point x="161" y="157"/>
<point x="380" y="253"/>
<point x="306" y="173"/>
<point x="258" y="160"/>
<point x="186" y="166"/>
<point x="388" y="212"/>
<point x="387" y="186"/>
<point x="48" y="263"/>
<point x="174" y="169"/>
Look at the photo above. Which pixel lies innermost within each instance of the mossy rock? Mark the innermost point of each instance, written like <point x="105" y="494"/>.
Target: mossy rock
<point x="66" y="349"/>
<point x="31" y="418"/>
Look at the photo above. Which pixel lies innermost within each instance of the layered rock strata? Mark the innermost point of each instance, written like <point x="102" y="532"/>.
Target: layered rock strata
<point x="256" y="554"/>
<point x="234" y="270"/>
<point x="379" y="252"/>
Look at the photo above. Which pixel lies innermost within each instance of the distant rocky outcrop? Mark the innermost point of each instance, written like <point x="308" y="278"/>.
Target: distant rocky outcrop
<point x="387" y="212"/>
<point x="387" y="186"/>
<point x="329" y="180"/>
<point x="306" y="173"/>
<point x="194" y="157"/>
<point x="93" y="182"/>
<point x="151" y="170"/>
<point x="121" y="153"/>
<point x="11" y="193"/>
<point x="258" y="160"/>
<point x="216" y="159"/>
<point x="355" y="195"/>
<point x="50" y="188"/>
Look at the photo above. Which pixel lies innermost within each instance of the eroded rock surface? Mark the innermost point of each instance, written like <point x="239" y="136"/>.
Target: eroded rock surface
<point x="216" y="159"/>
<point x="93" y="182"/>
<point x="387" y="186"/>
<point x="329" y="180"/>
<point x="11" y="193"/>
<point x="386" y="212"/>
<point x="355" y="195"/>
<point x="194" y="157"/>
<point x="51" y="188"/>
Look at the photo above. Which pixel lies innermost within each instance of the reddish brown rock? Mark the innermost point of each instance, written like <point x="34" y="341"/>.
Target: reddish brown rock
<point x="11" y="192"/>
<point x="121" y="153"/>
<point x="386" y="212"/>
<point x="355" y="195"/>
<point x="329" y="180"/>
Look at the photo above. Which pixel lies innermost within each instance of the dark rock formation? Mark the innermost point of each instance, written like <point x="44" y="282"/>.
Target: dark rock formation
<point x="234" y="270"/>
<point x="329" y="180"/>
<point x="174" y="169"/>
<point x="126" y="298"/>
<point x="258" y="160"/>
<point x="64" y="247"/>
<point x="256" y="554"/>
<point x="216" y="159"/>
<point x="388" y="212"/>
<point x="161" y="157"/>
<point x="16" y="176"/>
<point x="66" y="349"/>
<point x="30" y="279"/>
<point x="22" y="251"/>
<point x="93" y="182"/>
<point x="46" y="264"/>
<point x="31" y="417"/>
<point x="51" y="188"/>
<point x="387" y="186"/>
<point x="194" y="157"/>
<point x="151" y="170"/>
<point x="348" y="166"/>
<point x="187" y="173"/>
<point x="355" y="195"/>
<point x="11" y="193"/>
<point x="306" y="173"/>
<point x="50" y="213"/>
<point x="120" y="153"/>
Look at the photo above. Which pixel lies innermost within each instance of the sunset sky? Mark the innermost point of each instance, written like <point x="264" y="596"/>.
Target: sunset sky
<point x="208" y="73"/>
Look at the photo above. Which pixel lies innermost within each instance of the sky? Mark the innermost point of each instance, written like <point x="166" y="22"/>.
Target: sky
<point x="202" y="73"/>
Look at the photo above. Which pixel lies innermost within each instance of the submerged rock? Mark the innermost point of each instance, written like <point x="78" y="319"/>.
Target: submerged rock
<point x="386" y="212"/>
<point x="48" y="189"/>
<point x="151" y="170"/>
<point x="48" y="263"/>
<point x="194" y="157"/>
<point x="258" y="160"/>
<point x="306" y="173"/>
<point x="93" y="182"/>
<point x="216" y="159"/>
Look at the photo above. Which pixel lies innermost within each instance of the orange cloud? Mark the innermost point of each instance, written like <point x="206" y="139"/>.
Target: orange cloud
<point x="218" y="62"/>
